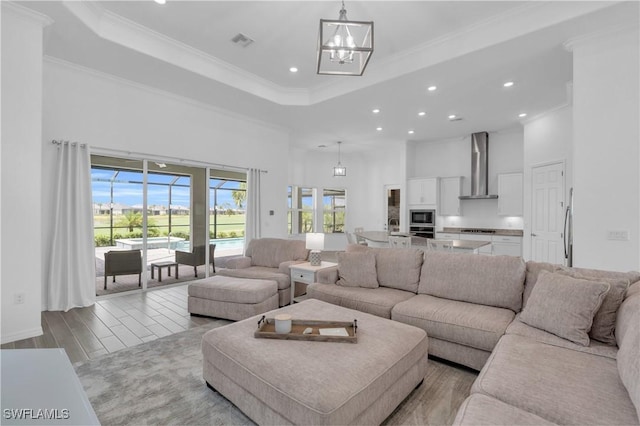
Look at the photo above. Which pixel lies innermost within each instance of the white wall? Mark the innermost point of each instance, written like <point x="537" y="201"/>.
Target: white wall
<point x="20" y="172"/>
<point x="367" y="174"/>
<point x="547" y="139"/>
<point x="452" y="157"/>
<point x="606" y="129"/>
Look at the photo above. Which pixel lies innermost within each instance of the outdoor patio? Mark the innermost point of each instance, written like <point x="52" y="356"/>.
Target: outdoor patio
<point x="130" y="282"/>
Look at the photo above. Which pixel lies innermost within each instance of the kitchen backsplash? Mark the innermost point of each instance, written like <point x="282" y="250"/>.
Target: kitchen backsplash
<point x="480" y="214"/>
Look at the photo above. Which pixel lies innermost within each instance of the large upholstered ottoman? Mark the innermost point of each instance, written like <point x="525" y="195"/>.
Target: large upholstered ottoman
<point x="316" y="383"/>
<point x="232" y="298"/>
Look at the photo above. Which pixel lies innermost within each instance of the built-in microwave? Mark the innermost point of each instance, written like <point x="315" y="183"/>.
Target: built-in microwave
<point x="422" y="217"/>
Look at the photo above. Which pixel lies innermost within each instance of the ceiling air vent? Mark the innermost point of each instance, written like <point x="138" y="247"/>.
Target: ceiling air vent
<point x="242" y="40"/>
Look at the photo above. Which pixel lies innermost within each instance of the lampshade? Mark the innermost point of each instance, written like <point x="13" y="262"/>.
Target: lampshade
<point x="315" y="241"/>
<point x="344" y="47"/>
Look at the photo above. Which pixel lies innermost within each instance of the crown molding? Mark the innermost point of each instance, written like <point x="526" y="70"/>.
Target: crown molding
<point x="152" y="90"/>
<point x="26" y="14"/>
<point x="513" y="23"/>
<point x="127" y="33"/>
<point x="610" y="31"/>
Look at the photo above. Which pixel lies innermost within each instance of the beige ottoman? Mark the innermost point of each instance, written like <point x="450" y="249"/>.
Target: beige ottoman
<point x="316" y="383"/>
<point x="232" y="298"/>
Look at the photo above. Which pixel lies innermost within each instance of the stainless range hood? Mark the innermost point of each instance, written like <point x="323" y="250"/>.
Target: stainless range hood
<point x="479" y="168"/>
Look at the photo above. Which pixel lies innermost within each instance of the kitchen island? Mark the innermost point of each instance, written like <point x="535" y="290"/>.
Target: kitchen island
<point x="380" y="239"/>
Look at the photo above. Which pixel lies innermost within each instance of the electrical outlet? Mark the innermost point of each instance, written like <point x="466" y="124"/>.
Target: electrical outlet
<point x="618" y="235"/>
<point x="18" y="298"/>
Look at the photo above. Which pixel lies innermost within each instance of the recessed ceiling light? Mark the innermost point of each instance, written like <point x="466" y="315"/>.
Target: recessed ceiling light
<point x="379" y="129"/>
<point x="411" y="132"/>
<point x="508" y="84"/>
<point x="160" y="1"/>
<point x="375" y="111"/>
<point x="422" y="113"/>
<point x="452" y="117"/>
<point x="522" y="114"/>
<point x="431" y="88"/>
<point x="293" y="69"/>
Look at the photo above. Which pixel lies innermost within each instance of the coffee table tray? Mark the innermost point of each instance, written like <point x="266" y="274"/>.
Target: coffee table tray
<point x="267" y="330"/>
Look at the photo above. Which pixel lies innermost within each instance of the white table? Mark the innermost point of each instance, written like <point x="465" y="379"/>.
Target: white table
<point x="40" y="387"/>
<point x="305" y="273"/>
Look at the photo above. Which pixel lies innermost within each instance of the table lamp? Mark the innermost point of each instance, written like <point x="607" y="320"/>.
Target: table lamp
<point x="315" y="243"/>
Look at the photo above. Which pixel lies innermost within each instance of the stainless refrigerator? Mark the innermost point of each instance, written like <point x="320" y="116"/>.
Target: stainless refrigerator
<point x="568" y="230"/>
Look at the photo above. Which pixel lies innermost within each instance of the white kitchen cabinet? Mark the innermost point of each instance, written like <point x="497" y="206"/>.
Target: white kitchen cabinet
<point x="447" y="236"/>
<point x="422" y="191"/>
<point x="510" y="197"/>
<point x="506" y="245"/>
<point x="450" y="191"/>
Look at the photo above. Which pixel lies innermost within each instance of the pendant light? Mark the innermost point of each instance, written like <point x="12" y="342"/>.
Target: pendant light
<point x="339" y="169"/>
<point x="344" y="47"/>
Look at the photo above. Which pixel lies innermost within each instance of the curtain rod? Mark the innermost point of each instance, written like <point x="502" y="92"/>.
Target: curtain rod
<point x="161" y="158"/>
<point x="59" y="143"/>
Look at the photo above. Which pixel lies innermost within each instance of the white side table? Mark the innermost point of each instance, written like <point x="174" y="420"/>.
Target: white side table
<point x="305" y="273"/>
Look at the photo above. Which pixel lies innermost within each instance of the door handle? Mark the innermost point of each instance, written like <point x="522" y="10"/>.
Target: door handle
<point x="534" y="235"/>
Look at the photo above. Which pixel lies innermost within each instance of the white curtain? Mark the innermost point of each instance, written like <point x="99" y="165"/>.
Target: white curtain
<point x="70" y="280"/>
<point x="252" y="224"/>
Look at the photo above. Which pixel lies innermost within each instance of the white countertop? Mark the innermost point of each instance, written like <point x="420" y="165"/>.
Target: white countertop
<point x="382" y="237"/>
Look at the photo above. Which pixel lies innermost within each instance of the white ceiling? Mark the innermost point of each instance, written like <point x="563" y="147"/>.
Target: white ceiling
<point x="468" y="49"/>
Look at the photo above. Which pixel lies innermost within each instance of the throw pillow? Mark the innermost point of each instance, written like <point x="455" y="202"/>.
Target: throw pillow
<point x="564" y="306"/>
<point x="604" y="322"/>
<point x="357" y="269"/>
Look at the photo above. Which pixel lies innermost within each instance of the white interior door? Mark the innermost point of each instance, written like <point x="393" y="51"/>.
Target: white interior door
<point x="547" y="206"/>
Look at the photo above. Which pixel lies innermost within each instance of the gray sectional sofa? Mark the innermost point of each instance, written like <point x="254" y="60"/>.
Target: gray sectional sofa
<point x="268" y="259"/>
<point x="566" y="351"/>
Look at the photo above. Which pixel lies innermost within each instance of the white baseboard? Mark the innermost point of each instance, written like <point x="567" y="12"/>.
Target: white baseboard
<point x="24" y="334"/>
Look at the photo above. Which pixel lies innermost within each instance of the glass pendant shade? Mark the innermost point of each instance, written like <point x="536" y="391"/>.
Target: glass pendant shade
<point x="344" y="47"/>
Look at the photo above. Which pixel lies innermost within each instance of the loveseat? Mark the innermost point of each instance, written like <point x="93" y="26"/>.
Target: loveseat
<point x="535" y="367"/>
<point x="268" y="259"/>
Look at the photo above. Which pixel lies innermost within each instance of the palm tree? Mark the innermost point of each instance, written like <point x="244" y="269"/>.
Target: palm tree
<point x="134" y="220"/>
<point x="240" y="195"/>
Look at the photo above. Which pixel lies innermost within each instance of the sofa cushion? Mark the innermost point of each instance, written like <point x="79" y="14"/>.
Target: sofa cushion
<point x="259" y="272"/>
<point x="564" y="306"/>
<point x="486" y="280"/>
<point x="357" y="270"/>
<point x="234" y="290"/>
<point x="468" y="324"/>
<point x="604" y="321"/>
<point x="533" y="270"/>
<point x="560" y="385"/>
<point x="396" y="267"/>
<point x="595" y="347"/>
<point x="626" y="318"/>
<point x="629" y="361"/>
<point x="271" y="252"/>
<point x="480" y="409"/>
<point x="376" y="301"/>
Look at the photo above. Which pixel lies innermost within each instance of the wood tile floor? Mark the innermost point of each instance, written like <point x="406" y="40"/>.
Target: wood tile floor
<point x="115" y="323"/>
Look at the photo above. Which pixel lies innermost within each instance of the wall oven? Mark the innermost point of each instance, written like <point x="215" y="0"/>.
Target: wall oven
<point x="422" y="218"/>
<point x="423" y="231"/>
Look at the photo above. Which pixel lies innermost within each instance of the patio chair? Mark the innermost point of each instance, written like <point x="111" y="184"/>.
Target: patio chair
<point x="122" y="262"/>
<point x="196" y="258"/>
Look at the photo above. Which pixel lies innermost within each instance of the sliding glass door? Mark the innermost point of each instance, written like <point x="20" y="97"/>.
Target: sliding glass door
<point x="169" y="202"/>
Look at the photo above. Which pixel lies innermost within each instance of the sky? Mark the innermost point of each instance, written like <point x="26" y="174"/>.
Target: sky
<point x="127" y="189"/>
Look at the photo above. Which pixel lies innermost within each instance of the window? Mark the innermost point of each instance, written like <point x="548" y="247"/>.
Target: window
<point x="228" y="199"/>
<point x="334" y="203"/>
<point x="301" y="209"/>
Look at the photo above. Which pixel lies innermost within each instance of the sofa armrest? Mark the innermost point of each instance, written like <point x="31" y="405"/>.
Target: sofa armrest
<point x="238" y="263"/>
<point x="327" y="275"/>
<point x="283" y="268"/>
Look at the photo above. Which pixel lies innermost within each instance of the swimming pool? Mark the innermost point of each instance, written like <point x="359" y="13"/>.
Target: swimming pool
<point x="152" y="243"/>
<point x="221" y="244"/>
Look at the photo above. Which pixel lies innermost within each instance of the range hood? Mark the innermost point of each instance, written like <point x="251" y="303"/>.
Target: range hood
<point x="479" y="168"/>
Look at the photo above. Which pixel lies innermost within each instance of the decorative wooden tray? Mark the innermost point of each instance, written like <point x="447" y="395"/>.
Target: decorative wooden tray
<point x="267" y="330"/>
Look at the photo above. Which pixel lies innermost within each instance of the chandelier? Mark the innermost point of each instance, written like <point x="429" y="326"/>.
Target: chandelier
<point x="339" y="169"/>
<point x="344" y="47"/>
